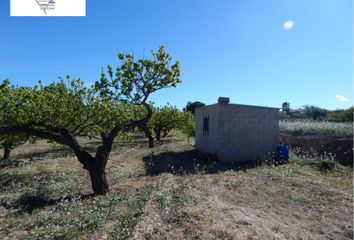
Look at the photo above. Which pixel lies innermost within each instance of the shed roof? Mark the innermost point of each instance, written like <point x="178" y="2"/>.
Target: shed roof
<point x="233" y="104"/>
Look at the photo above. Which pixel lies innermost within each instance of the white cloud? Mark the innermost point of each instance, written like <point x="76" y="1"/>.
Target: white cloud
<point x="341" y="98"/>
<point x="287" y="25"/>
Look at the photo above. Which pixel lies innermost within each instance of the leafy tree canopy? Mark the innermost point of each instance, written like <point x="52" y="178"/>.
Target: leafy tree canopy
<point x="191" y="106"/>
<point x="165" y="119"/>
<point x="60" y="112"/>
<point x="348" y="115"/>
<point x="188" y="124"/>
<point x="314" y="112"/>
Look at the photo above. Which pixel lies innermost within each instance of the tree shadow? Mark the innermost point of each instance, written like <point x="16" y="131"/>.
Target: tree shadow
<point x="25" y="158"/>
<point x="167" y="140"/>
<point x="52" y="152"/>
<point x="189" y="162"/>
<point x="9" y="181"/>
<point x="29" y="202"/>
<point x="30" y="157"/>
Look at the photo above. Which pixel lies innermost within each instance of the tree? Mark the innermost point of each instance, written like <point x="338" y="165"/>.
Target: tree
<point x="61" y="112"/>
<point x="163" y="120"/>
<point x="348" y="115"/>
<point x="9" y="142"/>
<point x="187" y="125"/>
<point x="191" y="106"/>
<point x="314" y="112"/>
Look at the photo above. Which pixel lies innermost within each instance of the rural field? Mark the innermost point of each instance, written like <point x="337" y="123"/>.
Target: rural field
<point x="321" y="128"/>
<point x="159" y="120"/>
<point x="333" y="139"/>
<point x="171" y="192"/>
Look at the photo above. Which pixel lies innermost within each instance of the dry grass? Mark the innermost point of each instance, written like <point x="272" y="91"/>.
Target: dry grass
<point x="47" y="198"/>
<point x="308" y="127"/>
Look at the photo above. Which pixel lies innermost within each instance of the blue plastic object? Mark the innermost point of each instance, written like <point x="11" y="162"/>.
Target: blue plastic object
<point x="283" y="153"/>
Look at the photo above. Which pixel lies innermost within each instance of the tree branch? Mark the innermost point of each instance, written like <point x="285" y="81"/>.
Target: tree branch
<point x="32" y="132"/>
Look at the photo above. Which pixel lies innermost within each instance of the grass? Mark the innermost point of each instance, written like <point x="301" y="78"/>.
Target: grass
<point x="49" y="198"/>
<point x="129" y="218"/>
<point x="306" y="127"/>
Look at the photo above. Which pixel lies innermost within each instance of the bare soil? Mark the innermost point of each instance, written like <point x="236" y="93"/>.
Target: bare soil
<point x="342" y="147"/>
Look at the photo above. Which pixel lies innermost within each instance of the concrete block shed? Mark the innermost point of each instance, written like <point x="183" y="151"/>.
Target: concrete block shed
<point x="235" y="132"/>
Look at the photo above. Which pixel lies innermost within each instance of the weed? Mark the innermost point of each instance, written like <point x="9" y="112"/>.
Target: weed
<point x="75" y="216"/>
<point x="326" y="164"/>
<point x="128" y="219"/>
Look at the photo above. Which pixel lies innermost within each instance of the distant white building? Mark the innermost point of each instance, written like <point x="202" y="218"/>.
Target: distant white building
<point x="236" y="133"/>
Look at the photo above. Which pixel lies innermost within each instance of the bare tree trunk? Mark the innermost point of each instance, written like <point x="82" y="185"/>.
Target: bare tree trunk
<point x="158" y="134"/>
<point x="96" y="166"/>
<point x="151" y="142"/>
<point x="7" y="151"/>
<point x="98" y="180"/>
<point x="148" y="134"/>
<point x="144" y="127"/>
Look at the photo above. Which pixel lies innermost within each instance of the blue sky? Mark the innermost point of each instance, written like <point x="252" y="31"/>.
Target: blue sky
<point x="238" y="49"/>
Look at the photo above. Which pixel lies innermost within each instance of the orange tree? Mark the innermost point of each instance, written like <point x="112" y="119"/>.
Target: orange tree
<point x="61" y="112"/>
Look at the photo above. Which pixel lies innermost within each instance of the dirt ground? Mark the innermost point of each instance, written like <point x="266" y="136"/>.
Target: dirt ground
<point x="342" y="147"/>
<point x="169" y="194"/>
<point x="285" y="202"/>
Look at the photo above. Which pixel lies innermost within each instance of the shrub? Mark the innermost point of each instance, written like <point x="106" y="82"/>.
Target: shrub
<point x="315" y="112"/>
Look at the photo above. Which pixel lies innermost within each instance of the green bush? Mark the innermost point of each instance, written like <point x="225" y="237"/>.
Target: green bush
<point x="314" y="112"/>
<point x="347" y="115"/>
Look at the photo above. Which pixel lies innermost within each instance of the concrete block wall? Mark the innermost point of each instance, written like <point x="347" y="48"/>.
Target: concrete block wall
<point x="203" y="143"/>
<point x="237" y="133"/>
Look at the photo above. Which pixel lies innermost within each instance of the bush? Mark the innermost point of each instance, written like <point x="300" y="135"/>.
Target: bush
<point x="191" y="106"/>
<point x="325" y="162"/>
<point x="347" y="115"/>
<point x="314" y="112"/>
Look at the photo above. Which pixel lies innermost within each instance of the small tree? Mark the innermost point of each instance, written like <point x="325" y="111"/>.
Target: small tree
<point x="314" y="112"/>
<point x="163" y="120"/>
<point x="187" y="125"/>
<point x="61" y="113"/>
<point x="191" y="106"/>
<point x="348" y="115"/>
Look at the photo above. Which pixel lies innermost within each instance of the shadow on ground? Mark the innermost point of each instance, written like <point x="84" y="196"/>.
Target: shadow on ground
<point x="22" y="159"/>
<point x="188" y="162"/>
<point x="28" y="202"/>
<point x="29" y="157"/>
